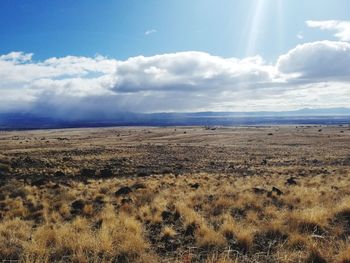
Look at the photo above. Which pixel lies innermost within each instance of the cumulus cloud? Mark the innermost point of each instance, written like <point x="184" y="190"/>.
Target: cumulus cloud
<point x="342" y="28"/>
<point x="17" y="57"/>
<point x="320" y="60"/>
<point x="20" y="72"/>
<point x="190" y="71"/>
<point x="310" y="75"/>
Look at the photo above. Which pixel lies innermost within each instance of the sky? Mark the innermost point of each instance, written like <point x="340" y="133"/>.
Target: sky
<point x="104" y="57"/>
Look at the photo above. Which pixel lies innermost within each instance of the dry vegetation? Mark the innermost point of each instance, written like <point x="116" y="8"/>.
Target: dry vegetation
<point x="268" y="194"/>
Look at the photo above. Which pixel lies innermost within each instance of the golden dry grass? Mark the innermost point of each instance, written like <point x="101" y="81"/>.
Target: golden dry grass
<point x="193" y="214"/>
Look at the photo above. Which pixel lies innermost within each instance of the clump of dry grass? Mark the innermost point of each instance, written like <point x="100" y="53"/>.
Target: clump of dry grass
<point x="169" y="232"/>
<point x="310" y="220"/>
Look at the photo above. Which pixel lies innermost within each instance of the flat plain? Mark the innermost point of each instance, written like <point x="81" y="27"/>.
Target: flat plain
<point x="176" y="194"/>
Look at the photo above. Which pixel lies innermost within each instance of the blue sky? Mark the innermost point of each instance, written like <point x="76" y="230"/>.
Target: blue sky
<point x="105" y="57"/>
<point x="116" y="28"/>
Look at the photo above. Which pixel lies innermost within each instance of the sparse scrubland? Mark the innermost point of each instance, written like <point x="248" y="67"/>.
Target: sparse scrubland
<point x="266" y="194"/>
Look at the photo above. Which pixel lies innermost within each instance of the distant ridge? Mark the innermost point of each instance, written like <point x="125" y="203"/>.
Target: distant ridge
<point x="294" y="113"/>
<point x="332" y="116"/>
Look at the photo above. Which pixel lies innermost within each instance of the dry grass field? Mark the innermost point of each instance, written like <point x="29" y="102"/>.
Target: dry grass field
<point x="194" y="194"/>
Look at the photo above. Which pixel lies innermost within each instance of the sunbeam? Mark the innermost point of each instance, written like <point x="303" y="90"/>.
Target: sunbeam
<point x="255" y="26"/>
<point x="280" y="24"/>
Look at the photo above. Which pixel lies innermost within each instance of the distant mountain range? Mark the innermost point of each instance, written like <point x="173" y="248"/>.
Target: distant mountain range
<point x="333" y="116"/>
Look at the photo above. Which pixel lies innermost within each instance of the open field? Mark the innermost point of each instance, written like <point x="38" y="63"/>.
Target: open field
<point x="184" y="194"/>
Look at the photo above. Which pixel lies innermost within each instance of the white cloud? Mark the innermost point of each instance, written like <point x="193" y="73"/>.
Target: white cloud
<point x="17" y="57"/>
<point x="342" y="28"/>
<point x="318" y="60"/>
<point x="300" y="35"/>
<point x="190" y="71"/>
<point x="310" y="75"/>
<point x="150" y="31"/>
<point x="18" y="70"/>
